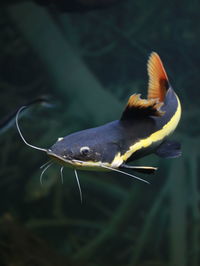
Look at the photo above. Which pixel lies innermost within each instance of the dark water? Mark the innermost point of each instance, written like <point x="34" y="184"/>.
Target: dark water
<point x="90" y="62"/>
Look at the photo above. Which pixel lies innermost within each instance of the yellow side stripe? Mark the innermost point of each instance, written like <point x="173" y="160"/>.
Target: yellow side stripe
<point x="156" y="136"/>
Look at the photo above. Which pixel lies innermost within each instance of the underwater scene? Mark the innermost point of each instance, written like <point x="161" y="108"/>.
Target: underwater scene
<point x="99" y="133"/>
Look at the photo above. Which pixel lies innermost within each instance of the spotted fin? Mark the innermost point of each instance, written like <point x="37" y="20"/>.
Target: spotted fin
<point x="140" y="169"/>
<point x="138" y="107"/>
<point x="169" y="149"/>
<point x="158" y="80"/>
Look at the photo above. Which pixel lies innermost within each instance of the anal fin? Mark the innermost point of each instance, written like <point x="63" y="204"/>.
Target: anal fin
<point x="169" y="149"/>
<point x="140" y="169"/>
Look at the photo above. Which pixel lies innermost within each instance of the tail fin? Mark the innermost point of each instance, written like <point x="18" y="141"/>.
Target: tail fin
<point x="158" y="80"/>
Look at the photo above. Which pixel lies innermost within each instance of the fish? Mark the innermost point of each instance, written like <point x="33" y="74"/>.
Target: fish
<point x="9" y="120"/>
<point x="143" y="128"/>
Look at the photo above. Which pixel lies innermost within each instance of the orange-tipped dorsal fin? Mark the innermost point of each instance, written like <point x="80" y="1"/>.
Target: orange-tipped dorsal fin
<point x="137" y="108"/>
<point x="158" y="80"/>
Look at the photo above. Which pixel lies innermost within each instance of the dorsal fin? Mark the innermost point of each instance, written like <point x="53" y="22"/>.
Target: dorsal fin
<point x="158" y="80"/>
<point x="137" y="108"/>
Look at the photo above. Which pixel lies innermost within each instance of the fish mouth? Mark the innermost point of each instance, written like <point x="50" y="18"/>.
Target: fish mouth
<point x="60" y="159"/>
<point x="73" y="163"/>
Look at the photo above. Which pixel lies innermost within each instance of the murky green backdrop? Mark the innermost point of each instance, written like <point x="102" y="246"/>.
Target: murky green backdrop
<point x="90" y="62"/>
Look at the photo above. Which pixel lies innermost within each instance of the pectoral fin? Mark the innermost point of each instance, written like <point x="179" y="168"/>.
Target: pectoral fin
<point x="140" y="169"/>
<point x="169" y="149"/>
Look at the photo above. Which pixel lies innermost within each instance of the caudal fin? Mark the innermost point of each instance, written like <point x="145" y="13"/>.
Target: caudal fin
<point x="158" y="80"/>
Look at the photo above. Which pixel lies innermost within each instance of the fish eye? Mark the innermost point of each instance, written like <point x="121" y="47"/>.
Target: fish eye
<point x="84" y="150"/>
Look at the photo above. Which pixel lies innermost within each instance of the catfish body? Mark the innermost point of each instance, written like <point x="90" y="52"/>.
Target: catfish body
<point x="143" y="128"/>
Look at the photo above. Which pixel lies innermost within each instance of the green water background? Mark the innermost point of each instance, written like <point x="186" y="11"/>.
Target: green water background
<point x="90" y="63"/>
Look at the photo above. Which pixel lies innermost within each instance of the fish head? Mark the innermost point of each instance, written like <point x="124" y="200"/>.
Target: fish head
<point x="82" y="150"/>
